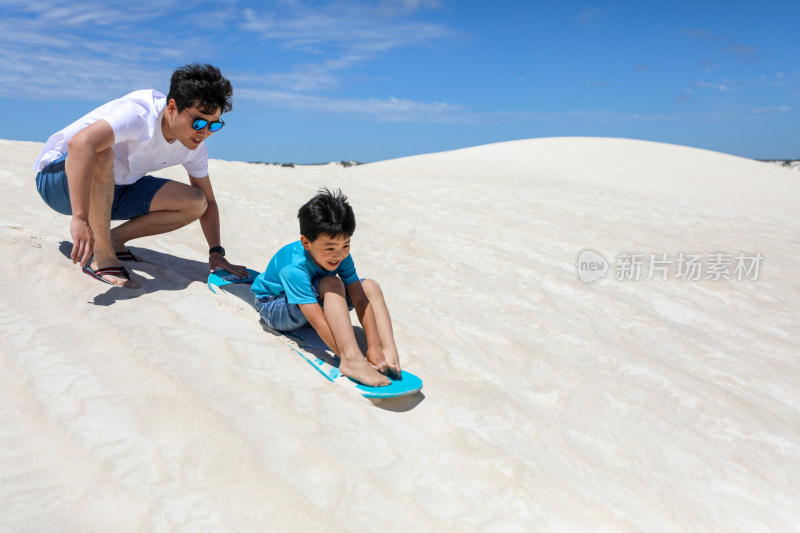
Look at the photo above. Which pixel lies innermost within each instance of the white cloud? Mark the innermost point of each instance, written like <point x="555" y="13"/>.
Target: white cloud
<point x="61" y="77"/>
<point x="61" y="49"/>
<point x="347" y="36"/>
<point x="407" y="6"/>
<point x="70" y="14"/>
<point x="720" y="86"/>
<point x="387" y="110"/>
<point x="352" y="26"/>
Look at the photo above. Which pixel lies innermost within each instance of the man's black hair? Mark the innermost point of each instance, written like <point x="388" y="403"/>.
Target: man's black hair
<point x="327" y="213"/>
<point x="203" y="85"/>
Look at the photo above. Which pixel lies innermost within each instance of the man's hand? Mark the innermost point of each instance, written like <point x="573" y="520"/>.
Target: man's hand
<point x="217" y="261"/>
<point x="82" y="241"/>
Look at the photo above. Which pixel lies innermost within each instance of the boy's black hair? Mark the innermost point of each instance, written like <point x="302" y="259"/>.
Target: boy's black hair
<point x="327" y="213"/>
<point x="203" y="85"/>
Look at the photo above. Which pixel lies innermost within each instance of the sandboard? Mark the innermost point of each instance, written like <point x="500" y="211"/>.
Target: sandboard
<point x="306" y="343"/>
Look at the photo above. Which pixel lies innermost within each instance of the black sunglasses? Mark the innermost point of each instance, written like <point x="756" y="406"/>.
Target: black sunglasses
<point x="200" y="123"/>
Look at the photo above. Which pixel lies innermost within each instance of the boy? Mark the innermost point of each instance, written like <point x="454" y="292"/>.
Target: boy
<point x="96" y="171"/>
<point x="314" y="281"/>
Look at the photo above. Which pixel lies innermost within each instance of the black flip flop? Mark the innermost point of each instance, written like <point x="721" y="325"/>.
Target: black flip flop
<point x="126" y="255"/>
<point x="108" y="271"/>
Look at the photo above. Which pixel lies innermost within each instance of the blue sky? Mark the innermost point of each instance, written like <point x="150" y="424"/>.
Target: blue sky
<point x="374" y="80"/>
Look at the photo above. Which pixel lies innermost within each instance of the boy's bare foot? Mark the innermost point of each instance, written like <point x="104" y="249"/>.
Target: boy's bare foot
<point x="376" y="359"/>
<point x="392" y="364"/>
<point x="394" y="371"/>
<point x="361" y="371"/>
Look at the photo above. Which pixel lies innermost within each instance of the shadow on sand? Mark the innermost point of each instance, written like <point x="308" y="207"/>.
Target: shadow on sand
<point x="155" y="271"/>
<point x="314" y="346"/>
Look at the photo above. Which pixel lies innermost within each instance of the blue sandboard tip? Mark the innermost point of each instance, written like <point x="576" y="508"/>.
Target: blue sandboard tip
<point x="409" y="384"/>
<point x="219" y="278"/>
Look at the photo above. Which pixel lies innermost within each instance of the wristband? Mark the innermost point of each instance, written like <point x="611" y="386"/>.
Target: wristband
<point x="217" y="249"/>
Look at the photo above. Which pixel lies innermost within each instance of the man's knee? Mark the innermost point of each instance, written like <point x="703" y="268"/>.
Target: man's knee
<point x="196" y="201"/>
<point x="188" y="201"/>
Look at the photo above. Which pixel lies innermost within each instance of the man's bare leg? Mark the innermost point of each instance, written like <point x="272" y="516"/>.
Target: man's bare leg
<point x="101" y="197"/>
<point x="352" y="364"/>
<point x="173" y="206"/>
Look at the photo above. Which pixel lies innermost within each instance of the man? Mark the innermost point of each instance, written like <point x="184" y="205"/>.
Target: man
<point x="96" y="170"/>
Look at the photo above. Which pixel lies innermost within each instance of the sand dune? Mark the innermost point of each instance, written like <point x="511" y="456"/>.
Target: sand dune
<point x="644" y="401"/>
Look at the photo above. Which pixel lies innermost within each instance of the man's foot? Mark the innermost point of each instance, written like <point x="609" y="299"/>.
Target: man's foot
<point x="113" y="275"/>
<point x="126" y="255"/>
<point x="362" y="371"/>
<point x="120" y="249"/>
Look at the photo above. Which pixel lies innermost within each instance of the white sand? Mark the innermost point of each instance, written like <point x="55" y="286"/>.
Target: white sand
<point x="549" y="404"/>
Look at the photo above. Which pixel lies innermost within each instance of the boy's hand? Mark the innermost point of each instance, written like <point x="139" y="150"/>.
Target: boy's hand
<point x="376" y="358"/>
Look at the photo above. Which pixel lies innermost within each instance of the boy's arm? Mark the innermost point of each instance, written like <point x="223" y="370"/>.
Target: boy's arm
<point x="316" y="317"/>
<point x="82" y="150"/>
<point x="210" y="223"/>
<point x="367" y="318"/>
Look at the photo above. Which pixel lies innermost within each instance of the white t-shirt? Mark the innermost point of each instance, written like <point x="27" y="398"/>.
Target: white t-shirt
<point x="139" y="144"/>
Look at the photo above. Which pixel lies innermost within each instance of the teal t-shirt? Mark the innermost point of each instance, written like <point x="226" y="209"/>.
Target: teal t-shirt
<point x="291" y="272"/>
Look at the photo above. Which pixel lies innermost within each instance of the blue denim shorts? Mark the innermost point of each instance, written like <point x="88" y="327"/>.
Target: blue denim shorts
<point x="130" y="201"/>
<point x="280" y="315"/>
